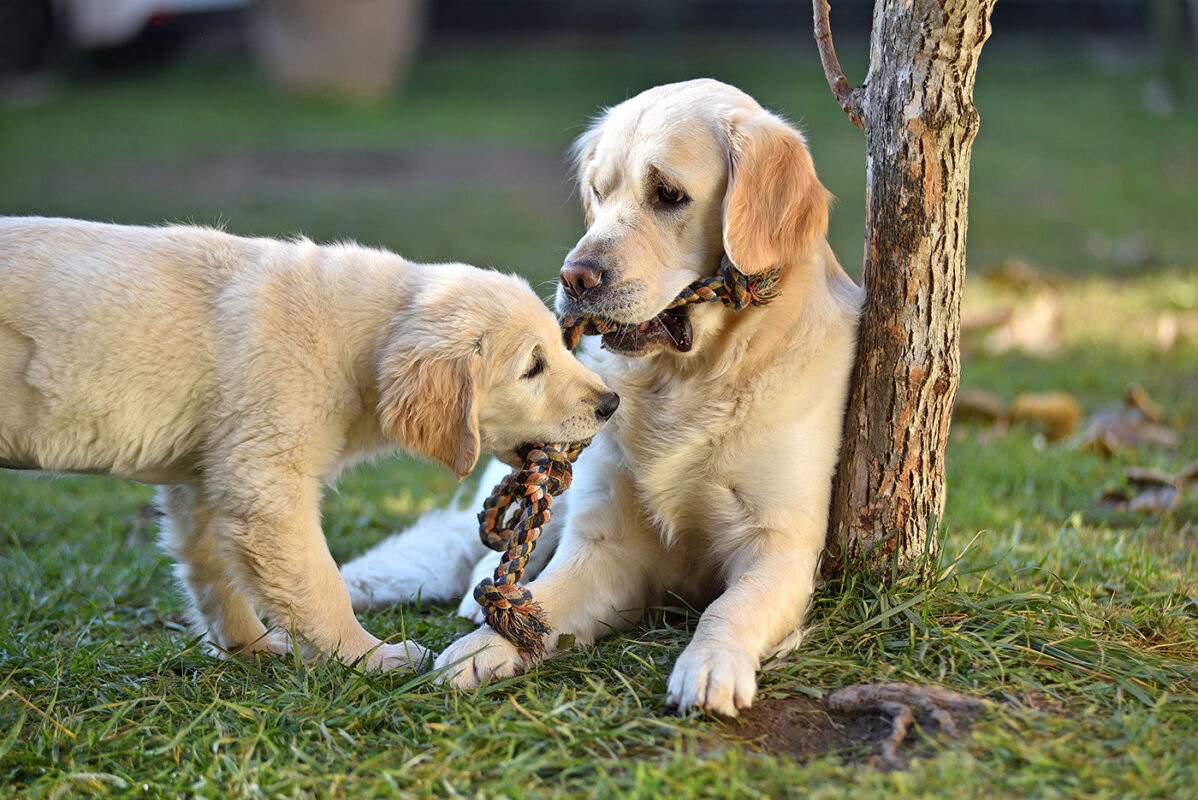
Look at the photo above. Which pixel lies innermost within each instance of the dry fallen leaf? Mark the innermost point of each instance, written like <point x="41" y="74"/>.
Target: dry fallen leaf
<point x="1151" y="491"/>
<point x="1168" y="330"/>
<point x="1136" y="397"/>
<point x="977" y="405"/>
<point x="1149" y="476"/>
<point x="1139" y="421"/>
<point x="1028" y="320"/>
<point x="981" y="320"/>
<point x="1058" y="412"/>
<point x="1016" y="273"/>
<point x="1035" y="328"/>
<point x="1154" y="500"/>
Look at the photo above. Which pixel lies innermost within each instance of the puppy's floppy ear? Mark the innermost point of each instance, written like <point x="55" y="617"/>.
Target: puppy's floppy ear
<point x="428" y="404"/>
<point x="774" y="207"/>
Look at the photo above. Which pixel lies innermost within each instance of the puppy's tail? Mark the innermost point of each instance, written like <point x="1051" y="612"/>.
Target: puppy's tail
<point x="431" y="561"/>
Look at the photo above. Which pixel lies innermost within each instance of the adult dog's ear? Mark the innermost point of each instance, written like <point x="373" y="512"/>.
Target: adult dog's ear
<point x="775" y="208"/>
<point x="582" y="155"/>
<point x="428" y="404"/>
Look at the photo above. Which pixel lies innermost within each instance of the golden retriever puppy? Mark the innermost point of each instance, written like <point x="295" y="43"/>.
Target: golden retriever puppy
<point x="712" y="484"/>
<point x="242" y="374"/>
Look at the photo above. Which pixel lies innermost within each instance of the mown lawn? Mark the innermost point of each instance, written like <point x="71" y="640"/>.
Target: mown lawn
<point x="1079" y="623"/>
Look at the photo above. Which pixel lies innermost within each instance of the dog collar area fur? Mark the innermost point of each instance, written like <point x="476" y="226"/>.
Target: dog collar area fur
<point x="518" y="508"/>
<point x="729" y="286"/>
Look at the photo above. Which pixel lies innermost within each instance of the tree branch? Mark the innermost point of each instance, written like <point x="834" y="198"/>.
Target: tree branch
<point x="848" y="97"/>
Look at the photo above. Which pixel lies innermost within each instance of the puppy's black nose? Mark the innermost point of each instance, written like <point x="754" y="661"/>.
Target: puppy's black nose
<point x="607" y="406"/>
<point x="579" y="277"/>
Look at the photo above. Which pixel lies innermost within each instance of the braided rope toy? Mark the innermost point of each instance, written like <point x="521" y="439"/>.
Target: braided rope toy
<point x="731" y="287"/>
<point x="511" y="520"/>
<point x="518" y="508"/>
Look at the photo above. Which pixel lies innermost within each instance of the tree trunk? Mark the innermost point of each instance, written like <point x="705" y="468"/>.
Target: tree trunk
<point x="916" y="109"/>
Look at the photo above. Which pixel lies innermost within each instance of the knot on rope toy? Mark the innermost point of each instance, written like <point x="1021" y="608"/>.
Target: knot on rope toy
<point x="511" y="520"/>
<point x="730" y="286"/>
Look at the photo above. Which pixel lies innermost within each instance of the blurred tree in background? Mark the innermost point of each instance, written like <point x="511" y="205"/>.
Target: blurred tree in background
<point x="359" y="49"/>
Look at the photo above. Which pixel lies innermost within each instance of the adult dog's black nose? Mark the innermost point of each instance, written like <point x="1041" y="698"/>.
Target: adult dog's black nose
<point x="607" y="406"/>
<point x="579" y="277"/>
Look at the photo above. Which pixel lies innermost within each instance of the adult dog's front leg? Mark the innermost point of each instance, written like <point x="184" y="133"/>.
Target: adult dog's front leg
<point x="278" y="543"/>
<point x="764" y="604"/>
<point x="583" y="594"/>
<point x="597" y="582"/>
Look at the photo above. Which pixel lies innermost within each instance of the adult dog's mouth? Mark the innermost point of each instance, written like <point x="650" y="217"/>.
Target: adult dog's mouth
<point x="671" y="328"/>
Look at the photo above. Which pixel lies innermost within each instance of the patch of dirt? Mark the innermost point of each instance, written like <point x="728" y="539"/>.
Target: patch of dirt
<point x="804" y="729"/>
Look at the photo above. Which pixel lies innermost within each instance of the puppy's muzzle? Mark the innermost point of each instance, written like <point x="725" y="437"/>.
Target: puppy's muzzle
<point x="607" y="406"/>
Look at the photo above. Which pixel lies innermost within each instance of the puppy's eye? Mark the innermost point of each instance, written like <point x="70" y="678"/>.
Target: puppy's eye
<point x="598" y="197"/>
<point x="538" y="366"/>
<point x="670" y="195"/>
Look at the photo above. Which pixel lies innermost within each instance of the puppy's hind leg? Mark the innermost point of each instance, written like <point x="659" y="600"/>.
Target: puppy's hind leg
<point x="218" y="608"/>
<point x="430" y="561"/>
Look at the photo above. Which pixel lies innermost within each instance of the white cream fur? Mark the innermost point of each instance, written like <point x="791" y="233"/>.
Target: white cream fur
<point x="243" y="374"/>
<point x="713" y="480"/>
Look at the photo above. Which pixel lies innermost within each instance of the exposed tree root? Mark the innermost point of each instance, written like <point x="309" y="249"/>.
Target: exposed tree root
<point x="897" y="701"/>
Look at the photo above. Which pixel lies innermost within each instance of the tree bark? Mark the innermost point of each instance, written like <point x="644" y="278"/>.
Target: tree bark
<point x="916" y="109"/>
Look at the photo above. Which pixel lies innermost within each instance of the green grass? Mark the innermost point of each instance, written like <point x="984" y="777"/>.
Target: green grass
<point x="1080" y="625"/>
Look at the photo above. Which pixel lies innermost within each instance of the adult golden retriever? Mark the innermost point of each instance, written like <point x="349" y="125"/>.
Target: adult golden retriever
<point x="240" y="374"/>
<point x="712" y="483"/>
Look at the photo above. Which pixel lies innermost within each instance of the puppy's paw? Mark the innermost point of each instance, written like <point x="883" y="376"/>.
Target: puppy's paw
<point x="478" y="658"/>
<point x="275" y="643"/>
<point x="401" y="655"/>
<point x="720" y="679"/>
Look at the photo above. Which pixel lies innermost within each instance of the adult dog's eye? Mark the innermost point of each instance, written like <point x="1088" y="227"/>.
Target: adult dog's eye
<point x="670" y="196"/>
<point x="538" y="366"/>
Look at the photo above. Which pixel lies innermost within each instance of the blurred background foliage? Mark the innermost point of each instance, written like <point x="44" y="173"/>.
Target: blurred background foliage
<point x="1085" y="163"/>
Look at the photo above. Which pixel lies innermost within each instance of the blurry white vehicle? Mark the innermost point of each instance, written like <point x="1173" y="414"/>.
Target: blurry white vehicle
<point x="90" y="24"/>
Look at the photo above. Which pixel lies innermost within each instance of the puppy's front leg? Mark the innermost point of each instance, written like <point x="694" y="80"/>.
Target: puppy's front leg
<point x="275" y="535"/>
<point x="768" y="593"/>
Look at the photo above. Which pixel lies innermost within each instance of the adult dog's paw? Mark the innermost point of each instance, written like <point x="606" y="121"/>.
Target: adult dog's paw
<point x="720" y="679"/>
<point x="478" y="658"/>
